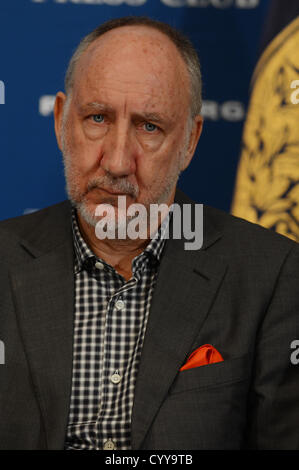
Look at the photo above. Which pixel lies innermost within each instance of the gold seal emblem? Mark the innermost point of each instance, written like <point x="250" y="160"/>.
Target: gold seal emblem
<point x="267" y="184"/>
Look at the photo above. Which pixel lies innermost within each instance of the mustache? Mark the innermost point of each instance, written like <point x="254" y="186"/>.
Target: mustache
<point x="121" y="185"/>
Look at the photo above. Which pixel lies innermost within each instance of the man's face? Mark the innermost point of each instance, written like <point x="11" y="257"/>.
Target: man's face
<point x="124" y="128"/>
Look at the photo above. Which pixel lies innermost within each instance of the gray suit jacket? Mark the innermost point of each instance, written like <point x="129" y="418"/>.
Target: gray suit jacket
<point x="238" y="293"/>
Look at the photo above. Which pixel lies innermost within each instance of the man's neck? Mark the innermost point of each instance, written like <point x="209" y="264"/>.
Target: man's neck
<point x="117" y="253"/>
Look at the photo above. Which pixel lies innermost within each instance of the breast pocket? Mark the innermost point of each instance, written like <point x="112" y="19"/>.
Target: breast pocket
<point x="206" y="408"/>
<point x="212" y="375"/>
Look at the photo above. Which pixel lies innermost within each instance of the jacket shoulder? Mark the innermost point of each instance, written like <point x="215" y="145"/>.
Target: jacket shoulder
<point x="24" y="224"/>
<point x="34" y="233"/>
<point x="246" y="235"/>
<point x="239" y="236"/>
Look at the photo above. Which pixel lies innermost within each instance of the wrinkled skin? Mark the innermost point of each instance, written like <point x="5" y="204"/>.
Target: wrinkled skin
<point x="125" y="127"/>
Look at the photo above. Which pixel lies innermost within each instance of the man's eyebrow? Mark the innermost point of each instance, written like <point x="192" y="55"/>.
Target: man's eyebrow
<point x="102" y="107"/>
<point x="95" y="106"/>
<point x="157" y="117"/>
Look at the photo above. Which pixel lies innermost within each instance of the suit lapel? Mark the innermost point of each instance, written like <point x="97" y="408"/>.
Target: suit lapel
<point x="44" y="294"/>
<point x="186" y="286"/>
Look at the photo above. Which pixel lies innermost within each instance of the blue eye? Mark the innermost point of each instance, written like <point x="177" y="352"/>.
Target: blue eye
<point x="150" y="127"/>
<point x="98" y="118"/>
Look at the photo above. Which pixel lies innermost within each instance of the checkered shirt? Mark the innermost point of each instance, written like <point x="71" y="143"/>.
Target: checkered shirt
<point x="109" y="327"/>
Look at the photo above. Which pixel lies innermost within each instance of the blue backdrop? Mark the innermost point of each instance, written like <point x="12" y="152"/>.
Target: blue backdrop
<point x="37" y="38"/>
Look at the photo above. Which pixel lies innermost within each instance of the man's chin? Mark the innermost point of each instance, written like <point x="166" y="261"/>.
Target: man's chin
<point x="87" y="213"/>
<point x="116" y="217"/>
<point x="92" y="214"/>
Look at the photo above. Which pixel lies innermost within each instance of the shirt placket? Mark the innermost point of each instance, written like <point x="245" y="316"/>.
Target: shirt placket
<point x="120" y="324"/>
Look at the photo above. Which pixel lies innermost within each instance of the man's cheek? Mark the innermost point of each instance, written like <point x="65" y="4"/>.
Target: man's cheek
<point x="87" y="158"/>
<point x="151" y="143"/>
<point x="92" y="132"/>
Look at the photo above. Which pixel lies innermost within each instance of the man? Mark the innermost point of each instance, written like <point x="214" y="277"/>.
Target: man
<point x="97" y="330"/>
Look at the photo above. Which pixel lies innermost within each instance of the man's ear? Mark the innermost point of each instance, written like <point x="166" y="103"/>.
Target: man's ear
<point x="58" y="114"/>
<point x="193" y="141"/>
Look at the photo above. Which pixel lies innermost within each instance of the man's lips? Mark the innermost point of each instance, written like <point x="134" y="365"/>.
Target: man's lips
<point x="111" y="192"/>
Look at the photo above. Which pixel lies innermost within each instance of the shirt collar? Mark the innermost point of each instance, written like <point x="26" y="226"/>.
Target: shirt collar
<point x="82" y="250"/>
<point x="84" y="254"/>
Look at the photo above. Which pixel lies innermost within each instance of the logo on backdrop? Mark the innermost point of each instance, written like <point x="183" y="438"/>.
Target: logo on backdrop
<point x="2" y="92"/>
<point x="171" y="3"/>
<point x="267" y="186"/>
<point x="112" y="3"/>
<point x="46" y="105"/>
<point x="232" y="111"/>
<point x="212" y="3"/>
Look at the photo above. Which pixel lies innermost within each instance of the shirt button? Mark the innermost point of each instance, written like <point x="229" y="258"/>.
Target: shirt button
<point x="109" y="445"/>
<point x="99" y="265"/>
<point x="115" y="378"/>
<point x="120" y="305"/>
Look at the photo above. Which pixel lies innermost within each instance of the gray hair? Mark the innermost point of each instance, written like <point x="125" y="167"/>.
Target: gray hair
<point x="183" y="44"/>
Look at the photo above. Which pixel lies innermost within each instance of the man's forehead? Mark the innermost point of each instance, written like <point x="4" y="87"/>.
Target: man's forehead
<point x="135" y="48"/>
<point x="138" y="35"/>
<point x="131" y="72"/>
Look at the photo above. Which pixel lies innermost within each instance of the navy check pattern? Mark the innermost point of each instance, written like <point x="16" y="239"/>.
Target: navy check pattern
<point x="109" y="327"/>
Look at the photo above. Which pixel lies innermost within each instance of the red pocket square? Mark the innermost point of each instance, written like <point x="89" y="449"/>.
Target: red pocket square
<point x="203" y="355"/>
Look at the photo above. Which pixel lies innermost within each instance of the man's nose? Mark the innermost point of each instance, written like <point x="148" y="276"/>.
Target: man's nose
<point x="119" y="151"/>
